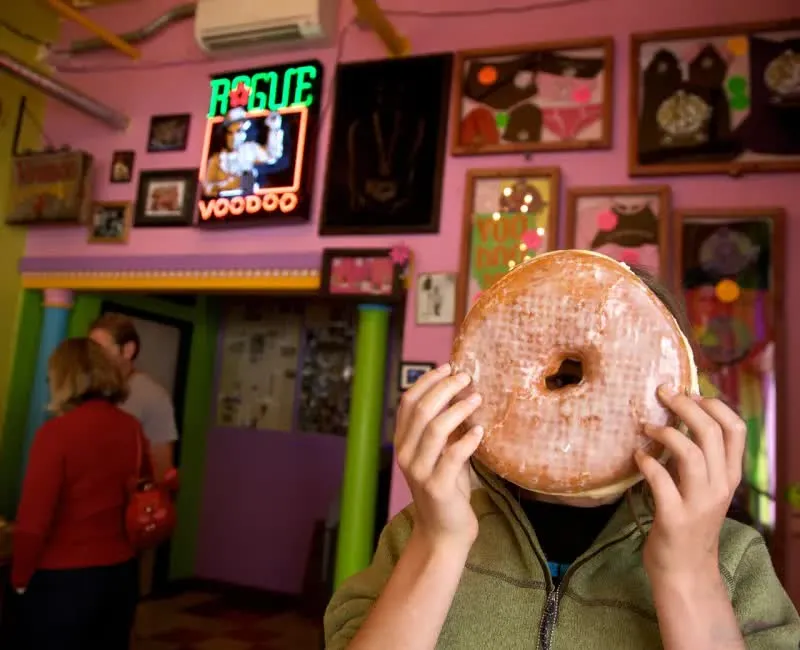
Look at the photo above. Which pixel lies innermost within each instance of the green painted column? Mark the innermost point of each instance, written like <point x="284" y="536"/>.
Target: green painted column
<point x="360" y="486"/>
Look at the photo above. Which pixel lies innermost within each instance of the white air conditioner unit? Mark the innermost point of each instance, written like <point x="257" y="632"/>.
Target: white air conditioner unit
<point x="232" y="26"/>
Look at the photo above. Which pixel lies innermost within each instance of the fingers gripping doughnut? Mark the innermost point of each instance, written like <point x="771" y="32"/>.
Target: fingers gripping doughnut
<point x="568" y="350"/>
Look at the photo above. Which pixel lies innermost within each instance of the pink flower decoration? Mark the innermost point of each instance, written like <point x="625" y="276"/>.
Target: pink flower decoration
<point x="582" y="94"/>
<point x="400" y="255"/>
<point x="630" y="256"/>
<point x="606" y="221"/>
<point x="531" y="239"/>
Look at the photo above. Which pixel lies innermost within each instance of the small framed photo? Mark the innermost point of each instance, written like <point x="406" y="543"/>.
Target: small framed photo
<point x="110" y="223"/>
<point x="436" y="298"/>
<point x="168" y="133"/>
<point x="122" y="166"/>
<point x="360" y="273"/>
<point x="166" y="198"/>
<point x="410" y="371"/>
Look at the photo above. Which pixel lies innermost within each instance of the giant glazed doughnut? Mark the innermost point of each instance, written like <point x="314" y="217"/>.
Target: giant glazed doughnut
<point x="567" y="351"/>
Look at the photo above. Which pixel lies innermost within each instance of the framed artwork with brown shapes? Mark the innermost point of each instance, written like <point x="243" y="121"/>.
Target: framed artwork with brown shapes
<point x="510" y="215"/>
<point x="628" y="223"/>
<point x="110" y="222"/>
<point x="730" y="269"/>
<point x="535" y="97"/>
<point x="715" y="100"/>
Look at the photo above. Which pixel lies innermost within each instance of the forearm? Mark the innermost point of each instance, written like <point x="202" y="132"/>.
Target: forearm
<point x="696" y="614"/>
<point x="410" y="612"/>
<point x="161" y="455"/>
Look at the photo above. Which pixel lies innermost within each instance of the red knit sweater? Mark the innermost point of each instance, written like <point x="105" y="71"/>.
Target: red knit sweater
<point x="73" y="498"/>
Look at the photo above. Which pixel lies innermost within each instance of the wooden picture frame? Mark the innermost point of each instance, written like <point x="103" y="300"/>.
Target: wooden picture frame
<point x="523" y="202"/>
<point x="489" y="111"/>
<point x="387" y="147"/>
<point x="166" y="198"/>
<point x="411" y="371"/>
<point x="110" y="222"/>
<point x="168" y="133"/>
<point x="735" y="304"/>
<point x="435" y="298"/>
<point x="361" y="273"/>
<point x="627" y="222"/>
<point x="714" y="100"/>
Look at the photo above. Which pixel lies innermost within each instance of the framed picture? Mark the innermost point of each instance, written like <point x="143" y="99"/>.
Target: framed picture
<point x="122" y="166"/>
<point x="535" y="97"/>
<point x="628" y="223"/>
<point x="510" y="215"/>
<point x="387" y="147"/>
<point x="166" y="198"/>
<point x="168" y="133"/>
<point x="360" y="273"/>
<point x="411" y="371"/>
<point x="715" y="100"/>
<point x="110" y="222"/>
<point x="436" y="298"/>
<point x="731" y="269"/>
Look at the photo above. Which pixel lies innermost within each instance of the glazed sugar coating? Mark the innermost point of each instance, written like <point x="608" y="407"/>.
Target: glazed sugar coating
<point x="585" y="307"/>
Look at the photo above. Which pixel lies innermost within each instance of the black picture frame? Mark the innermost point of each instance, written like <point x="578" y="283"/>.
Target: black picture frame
<point x="121" y="167"/>
<point x="388" y="115"/>
<point x="168" y="132"/>
<point x="146" y="216"/>
<point x="419" y="368"/>
<point x="394" y="286"/>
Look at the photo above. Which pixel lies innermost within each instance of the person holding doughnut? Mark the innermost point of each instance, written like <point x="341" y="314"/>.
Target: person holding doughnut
<point x="479" y="563"/>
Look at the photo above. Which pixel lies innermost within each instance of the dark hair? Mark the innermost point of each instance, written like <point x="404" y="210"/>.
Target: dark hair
<point x="121" y="329"/>
<point x="79" y="370"/>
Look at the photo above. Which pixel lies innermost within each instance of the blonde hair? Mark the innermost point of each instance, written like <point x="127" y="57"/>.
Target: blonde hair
<point x="80" y="370"/>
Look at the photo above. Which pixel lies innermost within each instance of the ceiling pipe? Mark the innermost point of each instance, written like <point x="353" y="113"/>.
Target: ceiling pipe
<point x="369" y="12"/>
<point x="175" y="15"/>
<point x="63" y="93"/>
<point x="70" y="13"/>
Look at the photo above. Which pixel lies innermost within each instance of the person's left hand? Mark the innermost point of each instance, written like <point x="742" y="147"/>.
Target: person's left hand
<point x="690" y="509"/>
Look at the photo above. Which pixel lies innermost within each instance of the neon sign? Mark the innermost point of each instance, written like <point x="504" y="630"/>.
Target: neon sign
<point x="260" y="141"/>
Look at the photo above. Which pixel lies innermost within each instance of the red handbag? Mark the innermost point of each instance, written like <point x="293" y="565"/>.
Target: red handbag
<point x="150" y="514"/>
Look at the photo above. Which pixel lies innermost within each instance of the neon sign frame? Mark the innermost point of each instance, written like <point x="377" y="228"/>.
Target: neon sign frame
<point x="285" y="197"/>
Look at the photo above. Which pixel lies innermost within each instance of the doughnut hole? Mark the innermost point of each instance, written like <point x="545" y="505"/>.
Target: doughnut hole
<point x="568" y="373"/>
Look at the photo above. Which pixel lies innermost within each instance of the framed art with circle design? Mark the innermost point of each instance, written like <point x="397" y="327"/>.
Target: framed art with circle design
<point x="166" y="197"/>
<point x="110" y="222"/>
<point x="723" y="99"/>
<point x="510" y="215"/>
<point x="730" y="269"/>
<point x="629" y="223"/>
<point x="533" y="97"/>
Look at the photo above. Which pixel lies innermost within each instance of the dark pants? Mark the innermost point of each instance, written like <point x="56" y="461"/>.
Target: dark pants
<point x="81" y="609"/>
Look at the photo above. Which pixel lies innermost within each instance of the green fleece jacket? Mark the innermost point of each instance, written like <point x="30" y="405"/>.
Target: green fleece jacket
<point x="506" y="599"/>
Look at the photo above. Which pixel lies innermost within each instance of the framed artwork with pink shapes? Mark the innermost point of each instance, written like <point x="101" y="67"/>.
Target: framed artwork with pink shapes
<point x="629" y="223"/>
<point x="510" y="215"/>
<point x="374" y="273"/>
<point x="533" y="97"/>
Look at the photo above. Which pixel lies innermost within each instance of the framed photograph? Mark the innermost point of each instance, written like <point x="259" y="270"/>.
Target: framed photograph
<point x="361" y="273"/>
<point x="387" y="147"/>
<point x="510" y="215"/>
<point x="410" y="371"/>
<point x="166" y="198"/>
<point x="715" y="100"/>
<point x="533" y="97"/>
<point x="731" y="269"/>
<point x="628" y="223"/>
<point x="122" y="166"/>
<point x="110" y="222"/>
<point x="168" y="133"/>
<point x="436" y="298"/>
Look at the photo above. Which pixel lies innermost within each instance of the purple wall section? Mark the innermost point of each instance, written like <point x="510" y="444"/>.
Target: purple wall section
<point x="289" y="481"/>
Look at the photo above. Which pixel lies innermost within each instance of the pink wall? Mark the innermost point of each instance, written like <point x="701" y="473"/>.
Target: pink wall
<point x="172" y="77"/>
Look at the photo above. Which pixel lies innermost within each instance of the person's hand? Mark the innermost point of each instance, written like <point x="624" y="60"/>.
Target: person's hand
<point x="434" y="461"/>
<point x="683" y="543"/>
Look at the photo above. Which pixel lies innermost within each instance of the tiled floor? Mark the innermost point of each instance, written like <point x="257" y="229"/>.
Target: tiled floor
<point x="208" y="621"/>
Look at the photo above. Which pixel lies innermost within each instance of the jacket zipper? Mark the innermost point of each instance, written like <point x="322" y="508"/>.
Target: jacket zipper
<point x="550" y="614"/>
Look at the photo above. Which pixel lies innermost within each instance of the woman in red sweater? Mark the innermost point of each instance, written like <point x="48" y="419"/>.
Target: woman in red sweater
<point x="72" y="561"/>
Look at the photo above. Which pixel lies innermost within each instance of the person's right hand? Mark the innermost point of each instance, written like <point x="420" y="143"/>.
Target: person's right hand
<point x="434" y="462"/>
